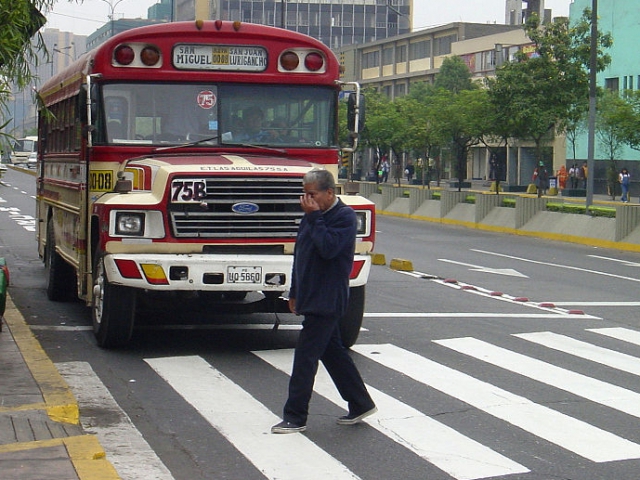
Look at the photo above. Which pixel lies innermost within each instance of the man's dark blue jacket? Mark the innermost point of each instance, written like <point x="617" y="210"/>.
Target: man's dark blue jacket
<point x="323" y="258"/>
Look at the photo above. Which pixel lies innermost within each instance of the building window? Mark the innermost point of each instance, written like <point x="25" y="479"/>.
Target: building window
<point x="401" y="53"/>
<point x="371" y="59"/>
<point x="387" y="56"/>
<point x="419" y="50"/>
<point x="612" y="84"/>
<point x="442" y="45"/>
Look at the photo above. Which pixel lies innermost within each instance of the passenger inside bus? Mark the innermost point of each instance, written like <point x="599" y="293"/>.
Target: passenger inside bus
<point x="280" y="132"/>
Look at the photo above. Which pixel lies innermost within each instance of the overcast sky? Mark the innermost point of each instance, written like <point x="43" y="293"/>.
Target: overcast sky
<point x="85" y="18"/>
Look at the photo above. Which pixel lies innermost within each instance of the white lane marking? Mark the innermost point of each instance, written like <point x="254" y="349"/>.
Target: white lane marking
<point x="126" y="449"/>
<point x="246" y="423"/>
<point x="480" y="315"/>
<point x="596" y="304"/>
<point x="574" y="435"/>
<point x="484" y="292"/>
<point x="624" y="334"/>
<point x="592" y="389"/>
<point x="25" y="221"/>
<point x="626" y="263"/>
<point x="444" y="447"/>
<point x="498" y="271"/>
<point x="558" y="265"/>
<point x="594" y="353"/>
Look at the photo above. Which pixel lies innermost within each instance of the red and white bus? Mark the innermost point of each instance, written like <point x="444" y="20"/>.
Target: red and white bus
<point x="154" y="185"/>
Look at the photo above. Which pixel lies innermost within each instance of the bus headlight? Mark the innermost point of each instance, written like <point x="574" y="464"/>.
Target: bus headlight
<point x="362" y="223"/>
<point x="136" y="223"/>
<point x="130" y="223"/>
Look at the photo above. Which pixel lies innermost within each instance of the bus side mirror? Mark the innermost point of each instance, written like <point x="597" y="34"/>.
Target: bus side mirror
<point x="355" y="108"/>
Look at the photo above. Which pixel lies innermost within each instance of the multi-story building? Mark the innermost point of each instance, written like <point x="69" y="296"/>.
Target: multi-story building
<point x="334" y="22"/>
<point x="621" y="19"/>
<point x="64" y="48"/>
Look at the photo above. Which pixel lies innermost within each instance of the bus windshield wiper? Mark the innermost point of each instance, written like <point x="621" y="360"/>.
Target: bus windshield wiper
<point x="188" y="144"/>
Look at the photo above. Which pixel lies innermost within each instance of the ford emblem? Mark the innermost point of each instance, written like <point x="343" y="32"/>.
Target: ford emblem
<point x="245" y="208"/>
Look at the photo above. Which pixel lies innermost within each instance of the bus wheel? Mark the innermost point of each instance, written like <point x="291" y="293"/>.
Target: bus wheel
<point x="112" y="308"/>
<point x="61" y="279"/>
<point x="352" y="321"/>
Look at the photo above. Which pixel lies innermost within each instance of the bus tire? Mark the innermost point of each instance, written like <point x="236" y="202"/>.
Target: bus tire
<point x="61" y="279"/>
<point x="351" y="322"/>
<point x="112" y="309"/>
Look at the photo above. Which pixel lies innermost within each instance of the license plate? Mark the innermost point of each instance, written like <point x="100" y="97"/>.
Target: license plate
<point x="244" y="274"/>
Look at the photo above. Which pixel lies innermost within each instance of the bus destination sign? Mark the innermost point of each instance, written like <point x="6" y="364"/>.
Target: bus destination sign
<point x="241" y="58"/>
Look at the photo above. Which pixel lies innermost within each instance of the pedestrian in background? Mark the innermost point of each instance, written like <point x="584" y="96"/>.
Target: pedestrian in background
<point x="322" y="262"/>
<point x="574" y="172"/>
<point x="541" y="179"/>
<point x="562" y="177"/>
<point x="385" y="167"/>
<point x="584" y="174"/>
<point x="625" y="180"/>
<point x="409" y="171"/>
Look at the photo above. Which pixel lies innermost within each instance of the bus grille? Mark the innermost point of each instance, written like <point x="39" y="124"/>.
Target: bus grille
<point x="278" y="214"/>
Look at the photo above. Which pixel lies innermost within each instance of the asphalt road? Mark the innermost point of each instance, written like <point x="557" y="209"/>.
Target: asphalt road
<point x="498" y="356"/>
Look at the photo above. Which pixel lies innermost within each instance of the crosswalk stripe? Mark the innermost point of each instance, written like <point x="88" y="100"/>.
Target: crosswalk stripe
<point x="444" y="447"/>
<point x="126" y="448"/>
<point x="574" y="435"/>
<point x="619" y="333"/>
<point x="245" y="422"/>
<point x="592" y="389"/>
<point x="604" y="356"/>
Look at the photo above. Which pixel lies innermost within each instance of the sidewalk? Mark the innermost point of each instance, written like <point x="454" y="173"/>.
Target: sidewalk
<point x="40" y="435"/>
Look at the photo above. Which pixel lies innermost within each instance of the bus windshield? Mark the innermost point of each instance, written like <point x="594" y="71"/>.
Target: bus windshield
<point x="215" y="114"/>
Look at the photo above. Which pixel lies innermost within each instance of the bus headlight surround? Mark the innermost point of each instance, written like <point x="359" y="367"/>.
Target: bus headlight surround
<point x="362" y="223"/>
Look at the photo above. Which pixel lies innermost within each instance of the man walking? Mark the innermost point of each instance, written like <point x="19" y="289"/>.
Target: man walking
<point x="322" y="262"/>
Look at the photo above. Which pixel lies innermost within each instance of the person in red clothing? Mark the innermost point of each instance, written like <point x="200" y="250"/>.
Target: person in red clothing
<point x="322" y="262"/>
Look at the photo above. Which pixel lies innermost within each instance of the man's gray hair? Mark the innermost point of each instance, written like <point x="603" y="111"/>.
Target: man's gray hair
<point x="322" y="178"/>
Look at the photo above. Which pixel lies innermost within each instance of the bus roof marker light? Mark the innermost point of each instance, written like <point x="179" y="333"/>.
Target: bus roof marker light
<point x="124" y="55"/>
<point x="199" y="24"/>
<point x="218" y="24"/>
<point x="314" y="61"/>
<point x="289" y="60"/>
<point x="236" y="25"/>
<point x="150" y="56"/>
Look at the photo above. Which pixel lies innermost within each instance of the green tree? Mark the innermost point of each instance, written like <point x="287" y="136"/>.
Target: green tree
<point x="422" y="134"/>
<point x="457" y="110"/>
<point x="454" y="76"/>
<point x="541" y="93"/>
<point x="385" y="130"/>
<point x="22" y="21"/>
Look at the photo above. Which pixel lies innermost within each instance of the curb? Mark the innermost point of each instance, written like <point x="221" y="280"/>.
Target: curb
<point x="85" y="452"/>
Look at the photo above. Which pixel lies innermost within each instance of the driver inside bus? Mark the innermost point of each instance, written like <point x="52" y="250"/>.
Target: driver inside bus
<point x="251" y="126"/>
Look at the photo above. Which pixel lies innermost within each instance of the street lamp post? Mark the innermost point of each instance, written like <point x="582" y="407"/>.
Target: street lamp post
<point x="593" y="64"/>
<point x="55" y="49"/>
<point x="112" y="9"/>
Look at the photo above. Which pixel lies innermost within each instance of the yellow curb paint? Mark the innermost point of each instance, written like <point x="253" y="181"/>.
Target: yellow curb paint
<point x="60" y="404"/>
<point x="89" y="459"/>
<point x="401" y="265"/>
<point x="85" y="452"/>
